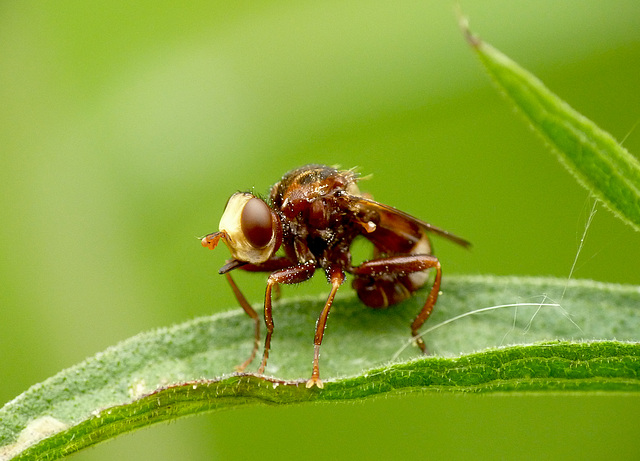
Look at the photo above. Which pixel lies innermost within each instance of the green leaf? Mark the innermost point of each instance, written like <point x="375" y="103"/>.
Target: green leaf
<point x="592" y="155"/>
<point x="185" y="369"/>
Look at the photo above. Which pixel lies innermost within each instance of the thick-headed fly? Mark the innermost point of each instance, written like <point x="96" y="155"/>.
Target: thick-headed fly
<point x="314" y="213"/>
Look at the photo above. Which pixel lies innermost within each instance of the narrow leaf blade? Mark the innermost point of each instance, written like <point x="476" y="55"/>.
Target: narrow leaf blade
<point x="597" y="161"/>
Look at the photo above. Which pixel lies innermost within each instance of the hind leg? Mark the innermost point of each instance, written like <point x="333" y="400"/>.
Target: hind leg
<point x="379" y="285"/>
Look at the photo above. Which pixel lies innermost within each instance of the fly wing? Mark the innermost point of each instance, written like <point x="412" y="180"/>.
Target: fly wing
<point x="395" y="231"/>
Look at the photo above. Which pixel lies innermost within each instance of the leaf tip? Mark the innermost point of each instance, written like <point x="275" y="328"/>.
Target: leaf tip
<point x="463" y="23"/>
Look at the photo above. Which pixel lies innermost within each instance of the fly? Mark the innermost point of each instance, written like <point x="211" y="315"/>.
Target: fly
<point x="313" y="214"/>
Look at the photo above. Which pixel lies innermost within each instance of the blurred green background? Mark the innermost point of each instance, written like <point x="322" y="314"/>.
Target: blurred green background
<point x="125" y="126"/>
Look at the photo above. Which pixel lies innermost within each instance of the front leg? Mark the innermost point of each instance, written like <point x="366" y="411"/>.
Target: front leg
<point x="251" y="313"/>
<point x="290" y="275"/>
<point x="272" y="264"/>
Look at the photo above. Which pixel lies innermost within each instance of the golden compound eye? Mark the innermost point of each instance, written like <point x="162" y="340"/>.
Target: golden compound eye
<point x="256" y="223"/>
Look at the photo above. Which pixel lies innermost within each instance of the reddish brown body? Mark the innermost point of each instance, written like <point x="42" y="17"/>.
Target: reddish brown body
<point x="315" y="213"/>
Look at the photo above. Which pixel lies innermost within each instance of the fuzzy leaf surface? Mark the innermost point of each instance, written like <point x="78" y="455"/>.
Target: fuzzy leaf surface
<point x="541" y="340"/>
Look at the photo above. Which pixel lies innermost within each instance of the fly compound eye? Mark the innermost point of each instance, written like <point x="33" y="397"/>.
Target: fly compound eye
<point x="256" y="223"/>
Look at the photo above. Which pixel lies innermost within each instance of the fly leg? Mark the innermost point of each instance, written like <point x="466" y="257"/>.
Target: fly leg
<point x="290" y="275"/>
<point x="383" y="294"/>
<point x="272" y="264"/>
<point x="254" y="316"/>
<point x="336" y="277"/>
